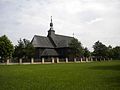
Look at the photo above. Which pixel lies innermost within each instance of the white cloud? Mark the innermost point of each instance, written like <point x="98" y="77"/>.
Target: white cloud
<point x="95" y="20"/>
<point x="90" y="20"/>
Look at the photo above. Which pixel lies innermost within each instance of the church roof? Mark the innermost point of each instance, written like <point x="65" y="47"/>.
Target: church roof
<point x="61" y="41"/>
<point x="49" y="52"/>
<point x="52" y="40"/>
<point x="41" y="41"/>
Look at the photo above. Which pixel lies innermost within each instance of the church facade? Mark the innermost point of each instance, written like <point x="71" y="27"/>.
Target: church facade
<point x="53" y="45"/>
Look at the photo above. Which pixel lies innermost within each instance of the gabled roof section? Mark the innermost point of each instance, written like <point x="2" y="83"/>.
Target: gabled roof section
<point x="61" y="40"/>
<point x="41" y="41"/>
<point x="49" y="52"/>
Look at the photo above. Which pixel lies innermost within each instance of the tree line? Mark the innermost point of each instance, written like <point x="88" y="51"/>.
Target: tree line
<point x="101" y="51"/>
<point x="24" y="49"/>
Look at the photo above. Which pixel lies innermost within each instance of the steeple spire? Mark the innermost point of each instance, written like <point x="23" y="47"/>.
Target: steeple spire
<point x="51" y="32"/>
<point x="51" y="19"/>
<point x="51" y="24"/>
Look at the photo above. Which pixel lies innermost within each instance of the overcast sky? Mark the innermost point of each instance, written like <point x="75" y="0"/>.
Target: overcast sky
<point x="89" y="20"/>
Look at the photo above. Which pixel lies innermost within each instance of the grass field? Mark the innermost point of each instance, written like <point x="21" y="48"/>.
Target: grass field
<point x="72" y="76"/>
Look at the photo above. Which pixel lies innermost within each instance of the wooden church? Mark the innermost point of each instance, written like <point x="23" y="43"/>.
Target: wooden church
<point x="53" y="45"/>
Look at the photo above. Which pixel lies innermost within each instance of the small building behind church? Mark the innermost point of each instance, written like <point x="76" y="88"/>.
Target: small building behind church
<point x="52" y="45"/>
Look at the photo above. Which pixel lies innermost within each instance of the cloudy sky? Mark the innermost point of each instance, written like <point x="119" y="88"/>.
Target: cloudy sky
<point x="89" y="20"/>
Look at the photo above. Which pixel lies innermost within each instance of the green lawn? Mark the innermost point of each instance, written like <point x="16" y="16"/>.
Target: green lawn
<point x="72" y="76"/>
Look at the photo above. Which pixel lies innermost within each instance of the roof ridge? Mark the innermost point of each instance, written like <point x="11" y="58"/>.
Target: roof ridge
<point x="63" y="35"/>
<point x="40" y="36"/>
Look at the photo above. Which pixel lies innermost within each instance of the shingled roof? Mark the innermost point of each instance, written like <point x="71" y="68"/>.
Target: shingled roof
<point x="45" y="42"/>
<point x="52" y="40"/>
<point x="41" y="41"/>
<point x="49" y="52"/>
<point x="61" y="41"/>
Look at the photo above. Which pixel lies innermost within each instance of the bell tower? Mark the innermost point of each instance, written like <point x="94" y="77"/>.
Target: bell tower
<point x="51" y="32"/>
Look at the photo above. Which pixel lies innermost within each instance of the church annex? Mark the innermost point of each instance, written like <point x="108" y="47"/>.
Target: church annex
<point x="53" y="45"/>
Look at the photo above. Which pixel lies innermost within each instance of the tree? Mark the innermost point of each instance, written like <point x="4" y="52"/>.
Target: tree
<point x="100" y="50"/>
<point x="86" y="52"/>
<point x="24" y="49"/>
<point x="19" y="51"/>
<point x="29" y="49"/>
<point x="116" y="52"/>
<point x="76" y="48"/>
<point x="110" y="51"/>
<point x="6" y="47"/>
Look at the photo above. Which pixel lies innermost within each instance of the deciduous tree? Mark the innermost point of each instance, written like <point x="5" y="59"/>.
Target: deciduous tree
<point x="100" y="50"/>
<point x="76" y="48"/>
<point x="116" y="52"/>
<point x="6" y="48"/>
<point x="24" y="49"/>
<point x="86" y="52"/>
